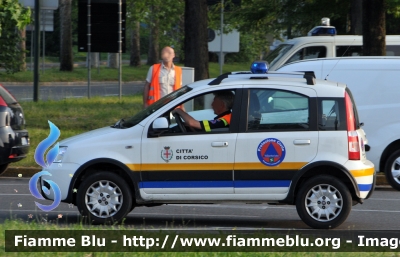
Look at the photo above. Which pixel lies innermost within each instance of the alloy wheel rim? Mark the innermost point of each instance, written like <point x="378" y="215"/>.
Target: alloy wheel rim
<point x="103" y="199"/>
<point x="323" y="202"/>
<point x="396" y="170"/>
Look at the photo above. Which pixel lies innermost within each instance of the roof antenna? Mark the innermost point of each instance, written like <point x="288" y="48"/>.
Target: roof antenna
<point x="339" y="59"/>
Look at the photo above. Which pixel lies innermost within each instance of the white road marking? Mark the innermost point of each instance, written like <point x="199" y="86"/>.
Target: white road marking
<point x="13" y="185"/>
<point x="15" y="194"/>
<point x="375" y="211"/>
<point x="383" y="199"/>
<point x="74" y="96"/>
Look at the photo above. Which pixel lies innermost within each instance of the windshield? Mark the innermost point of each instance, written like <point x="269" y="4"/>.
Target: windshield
<point x="276" y="54"/>
<point x="132" y="121"/>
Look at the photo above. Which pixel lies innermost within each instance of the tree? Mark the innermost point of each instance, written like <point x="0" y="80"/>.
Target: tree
<point x="356" y="13"/>
<point x="112" y="60"/>
<point x="66" y="56"/>
<point x="135" y="45"/>
<point x="393" y="17"/>
<point x="374" y="28"/>
<point x="162" y="18"/>
<point x="22" y="47"/>
<point x="196" y="37"/>
<point x="135" y="10"/>
<point x="13" y="17"/>
<point x="154" y="48"/>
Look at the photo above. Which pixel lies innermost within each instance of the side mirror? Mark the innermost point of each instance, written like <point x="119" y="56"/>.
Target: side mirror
<point x="160" y="124"/>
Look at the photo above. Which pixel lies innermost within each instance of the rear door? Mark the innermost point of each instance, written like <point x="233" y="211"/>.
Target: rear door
<point x="278" y="136"/>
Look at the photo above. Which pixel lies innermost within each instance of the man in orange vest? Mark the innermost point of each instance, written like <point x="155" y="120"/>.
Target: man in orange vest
<point x="162" y="78"/>
<point x="222" y="105"/>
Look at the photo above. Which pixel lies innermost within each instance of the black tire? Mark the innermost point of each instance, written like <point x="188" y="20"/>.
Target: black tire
<point x="3" y="168"/>
<point x="392" y="166"/>
<point x="95" y="207"/>
<point x="326" y="189"/>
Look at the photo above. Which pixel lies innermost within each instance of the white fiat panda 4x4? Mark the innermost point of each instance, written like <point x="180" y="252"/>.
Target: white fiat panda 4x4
<point x="285" y="138"/>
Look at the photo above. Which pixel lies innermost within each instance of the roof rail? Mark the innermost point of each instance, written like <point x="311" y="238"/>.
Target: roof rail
<point x="308" y="75"/>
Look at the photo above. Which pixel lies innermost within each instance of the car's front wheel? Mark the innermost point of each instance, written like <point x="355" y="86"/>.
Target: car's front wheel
<point x="104" y="197"/>
<point x="392" y="170"/>
<point x="323" y="202"/>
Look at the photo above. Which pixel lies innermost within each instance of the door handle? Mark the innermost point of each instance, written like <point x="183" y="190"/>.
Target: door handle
<point x="302" y="142"/>
<point x="219" y="144"/>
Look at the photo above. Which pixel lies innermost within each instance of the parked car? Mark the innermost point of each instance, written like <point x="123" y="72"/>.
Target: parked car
<point x="322" y="42"/>
<point x="374" y="82"/>
<point x="291" y="140"/>
<point x="14" y="138"/>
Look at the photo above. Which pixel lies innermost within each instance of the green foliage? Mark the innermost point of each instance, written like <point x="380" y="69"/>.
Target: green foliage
<point x="255" y="20"/>
<point x="170" y="15"/>
<point x="13" y="17"/>
<point x="393" y="7"/>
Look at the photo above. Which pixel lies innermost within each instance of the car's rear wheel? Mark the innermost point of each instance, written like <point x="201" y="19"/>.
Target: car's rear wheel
<point x="392" y="170"/>
<point x="104" y="197"/>
<point x="323" y="202"/>
<point x="3" y="168"/>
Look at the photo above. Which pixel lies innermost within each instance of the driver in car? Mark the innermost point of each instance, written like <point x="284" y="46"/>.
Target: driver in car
<point x="222" y="105"/>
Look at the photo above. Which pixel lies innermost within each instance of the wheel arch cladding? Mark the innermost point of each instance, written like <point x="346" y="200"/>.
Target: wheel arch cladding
<point x="322" y="168"/>
<point x="103" y="164"/>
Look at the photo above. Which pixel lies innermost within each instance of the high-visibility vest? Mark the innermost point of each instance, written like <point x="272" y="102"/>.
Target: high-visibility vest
<point x="154" y="90"/>
<point x="226" y="118"/>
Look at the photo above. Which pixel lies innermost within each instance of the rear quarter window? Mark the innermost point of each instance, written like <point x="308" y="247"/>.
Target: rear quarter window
<point x="332" y="114"/>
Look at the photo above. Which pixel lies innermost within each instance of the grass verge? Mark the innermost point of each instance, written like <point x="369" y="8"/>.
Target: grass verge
<point x="106" y="74"/>
<point x="74" y="116"/>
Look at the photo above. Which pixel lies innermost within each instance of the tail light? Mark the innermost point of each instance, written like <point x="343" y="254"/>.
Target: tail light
<point x="2" y="102"/>
<point x="352" y="135"/>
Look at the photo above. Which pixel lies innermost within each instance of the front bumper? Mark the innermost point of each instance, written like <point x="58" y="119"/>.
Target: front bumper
<point x="61" y="174"/>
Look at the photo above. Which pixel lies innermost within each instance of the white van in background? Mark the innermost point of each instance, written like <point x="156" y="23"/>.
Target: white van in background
<point x="310" y="47"/>
<point x="375" y="84"/>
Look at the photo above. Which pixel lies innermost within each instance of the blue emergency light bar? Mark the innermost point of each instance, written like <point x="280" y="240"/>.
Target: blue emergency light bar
<point x="324" y="30"/>
<point x="259" y="67"/>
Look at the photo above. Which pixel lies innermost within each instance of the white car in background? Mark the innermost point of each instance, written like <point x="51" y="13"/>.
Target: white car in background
<point x="375" y="84"/>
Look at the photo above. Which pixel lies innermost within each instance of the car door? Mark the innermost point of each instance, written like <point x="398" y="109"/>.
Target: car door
<point x="191" y="165"/>
<point x="278" y="136"/>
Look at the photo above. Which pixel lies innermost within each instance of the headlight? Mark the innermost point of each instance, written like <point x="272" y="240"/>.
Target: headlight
<point x="61" y="152"/>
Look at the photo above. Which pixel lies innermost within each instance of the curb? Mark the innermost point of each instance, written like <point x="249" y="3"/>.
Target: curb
<point x="30" y="171"/>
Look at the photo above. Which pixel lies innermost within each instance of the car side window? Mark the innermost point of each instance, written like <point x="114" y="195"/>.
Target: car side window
<point x="392" y="50"/>
<point x="310" y="52"/>
<point x="270" y="109"/>
<point x="342" y="51"/>
<point x="332" y="116"/>
<point x="200" y="108"/>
